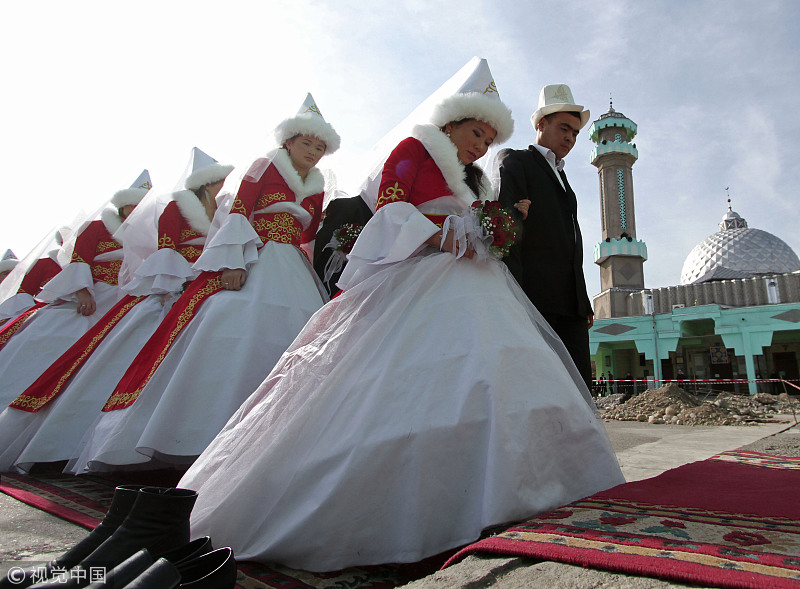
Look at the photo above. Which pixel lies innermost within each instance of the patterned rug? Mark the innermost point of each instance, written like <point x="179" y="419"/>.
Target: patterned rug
<point x="80" y="500"/>
<point x="84" y="500"/>
<point x="730" y="521"/>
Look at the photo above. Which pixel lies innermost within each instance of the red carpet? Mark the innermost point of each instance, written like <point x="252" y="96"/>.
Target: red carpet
<point x="730" y="521"/>
<point x="80" y="500"/>
<point x="84" y="500"/>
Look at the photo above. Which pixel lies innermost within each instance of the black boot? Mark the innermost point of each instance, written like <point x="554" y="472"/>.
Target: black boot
<point x="214" y="570"/>
<point x="124" y="573"/>
<point x="161" y="575"/>
<point x="121" y="504"/>
<point x="190" y="551"/>
<point x="157" y="522"/>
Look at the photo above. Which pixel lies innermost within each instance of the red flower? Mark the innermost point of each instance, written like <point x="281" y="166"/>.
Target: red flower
<point x="498" y="237"/>
<point x="477" y="204"/>
<point x="745" y="538"/>
<point x="672" y="524"/>
<point x="497" y="221"/>
<point x="491" y="206"/>
<point x="617" y="521"/>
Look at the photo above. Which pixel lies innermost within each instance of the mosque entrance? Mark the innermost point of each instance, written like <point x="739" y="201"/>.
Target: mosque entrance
<point x="785" y="365"/>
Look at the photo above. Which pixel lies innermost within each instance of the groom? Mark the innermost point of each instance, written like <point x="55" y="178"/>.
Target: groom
<point x="548" y="259"/>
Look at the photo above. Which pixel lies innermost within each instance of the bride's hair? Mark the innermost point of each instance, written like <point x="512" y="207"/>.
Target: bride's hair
<point x="473" y="179"/>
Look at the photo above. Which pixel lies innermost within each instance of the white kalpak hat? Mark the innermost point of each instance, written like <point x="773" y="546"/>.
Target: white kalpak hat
<point x="8" y="262"/>
<point x="134" y="194"/>
<point x="477" y="98"/>
<point x="308" y="121"/>
<point x="204" y="170"/>
<point x="558" y="98"/>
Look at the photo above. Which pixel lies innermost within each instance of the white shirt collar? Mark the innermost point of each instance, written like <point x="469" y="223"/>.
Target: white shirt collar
<point x="550" y="156"/>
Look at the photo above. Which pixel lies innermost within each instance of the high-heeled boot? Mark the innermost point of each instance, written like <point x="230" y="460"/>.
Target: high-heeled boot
<point x="121" y="504"/>
<point x="158" y="522"/>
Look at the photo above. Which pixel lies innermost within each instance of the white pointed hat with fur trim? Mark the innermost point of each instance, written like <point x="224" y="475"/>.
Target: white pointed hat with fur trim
<point x="477" y="98"/>
<point x="134" y="194"/>
<point x="9" y="261"/>
<point x="308" y="121"/>
<point x="558" y="98"/>
<point x="204" y="170"/>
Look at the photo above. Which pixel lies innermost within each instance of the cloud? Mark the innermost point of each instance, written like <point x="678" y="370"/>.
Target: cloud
<point x="98" y="91"/>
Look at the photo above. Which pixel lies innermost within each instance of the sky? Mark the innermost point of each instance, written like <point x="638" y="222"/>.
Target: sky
<point x="93" y="92"/>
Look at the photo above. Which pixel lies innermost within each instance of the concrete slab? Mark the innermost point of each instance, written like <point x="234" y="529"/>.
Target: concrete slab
<point x="645" y="450"/>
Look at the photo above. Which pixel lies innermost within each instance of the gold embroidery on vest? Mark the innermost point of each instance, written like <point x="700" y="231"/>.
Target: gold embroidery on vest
<point x="238" y="207"/>
<point x="267" y="199"/>
<point x="190" y="252"/>
<point x="391" y="194"/>
<point x="187" y="234"/>
<point x="107" y="246"/>
<point x="280" y="227"/>
<point x="106" y="271"/>
<point x="165" y="241"/>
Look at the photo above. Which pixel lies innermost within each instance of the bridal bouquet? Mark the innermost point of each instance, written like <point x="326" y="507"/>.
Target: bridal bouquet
<point x="498" y="226"/>
<point x="342" y="242"/>
<point x="344" y="238"/>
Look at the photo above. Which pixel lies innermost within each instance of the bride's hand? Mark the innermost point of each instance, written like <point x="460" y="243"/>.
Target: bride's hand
<point x="449" y="245"/>
<point x="233" y="279"/>
<point x="86" y="303"/>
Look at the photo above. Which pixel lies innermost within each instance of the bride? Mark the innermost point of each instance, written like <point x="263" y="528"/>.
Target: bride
<point x="427" y="402"/>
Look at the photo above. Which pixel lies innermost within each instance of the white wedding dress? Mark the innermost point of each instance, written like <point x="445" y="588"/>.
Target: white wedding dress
<point x="427" y="402"/>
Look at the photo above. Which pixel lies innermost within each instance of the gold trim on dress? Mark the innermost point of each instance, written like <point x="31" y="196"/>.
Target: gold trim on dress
<point x="122" y="400"/>
<point x="33" y="403"/>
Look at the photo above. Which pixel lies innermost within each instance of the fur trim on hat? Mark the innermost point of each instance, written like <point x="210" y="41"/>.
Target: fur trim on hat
<point x="314" y="182"/>
<point x="474" y="105"/>
<point x="192" y="210"/>
<point x="8" y="265"/>
<point x="445" y="154"/>
<point x="128" y="196"/>
<point x="308" y="124"/>
<point x="112" y="221"/>
<point x="207" y="175"/>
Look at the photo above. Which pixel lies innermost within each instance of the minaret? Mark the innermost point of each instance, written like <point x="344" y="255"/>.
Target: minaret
<point x="620" y="255"/>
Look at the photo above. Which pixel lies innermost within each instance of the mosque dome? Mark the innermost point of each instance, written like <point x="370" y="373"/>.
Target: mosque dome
<point x="738" y="251"/>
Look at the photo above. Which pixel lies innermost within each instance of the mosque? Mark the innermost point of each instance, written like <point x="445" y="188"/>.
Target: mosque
<point x="734" y="315"/>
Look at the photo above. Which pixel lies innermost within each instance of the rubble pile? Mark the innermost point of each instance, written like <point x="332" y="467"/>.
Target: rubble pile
<point x="671" y="404"/>
<point x="609" y="401"/>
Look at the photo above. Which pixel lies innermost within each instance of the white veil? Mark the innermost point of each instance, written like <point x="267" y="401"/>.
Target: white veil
<point x="421" y="114"/>
<point x="139" y="232"/>
<point x="49" y="243"/>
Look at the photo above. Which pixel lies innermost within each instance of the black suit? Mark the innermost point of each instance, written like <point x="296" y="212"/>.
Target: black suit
<point x="339" y="211"/>
<point x="548" y="259"/>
